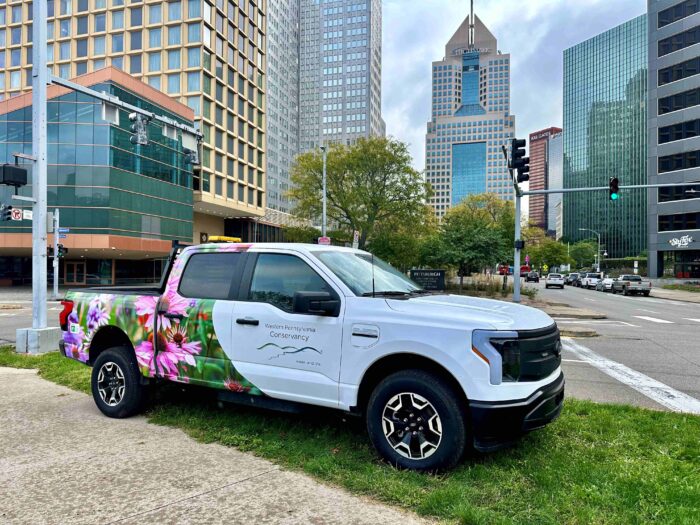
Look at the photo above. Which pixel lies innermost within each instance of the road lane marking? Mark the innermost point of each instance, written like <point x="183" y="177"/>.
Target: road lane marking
<point x="574" y="361"/>
<point x="647" y="311"/>
<point x="694" y="320"/>
<point x="655" y="390"/>
<point x="595" y="321"/>
<point x="653" y="319"/>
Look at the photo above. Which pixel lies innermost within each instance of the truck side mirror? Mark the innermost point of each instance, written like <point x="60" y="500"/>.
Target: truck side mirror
<point x="316" y="303"/>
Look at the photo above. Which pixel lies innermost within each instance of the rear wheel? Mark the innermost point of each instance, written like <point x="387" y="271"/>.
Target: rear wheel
<point x="415" y="421"/>
<point x="116" y="383"/>
<point x="646" y="294"/>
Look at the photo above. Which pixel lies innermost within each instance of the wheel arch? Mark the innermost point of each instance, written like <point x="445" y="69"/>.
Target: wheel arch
<point x="392" y="363"/>
<point x="108" y="337"/>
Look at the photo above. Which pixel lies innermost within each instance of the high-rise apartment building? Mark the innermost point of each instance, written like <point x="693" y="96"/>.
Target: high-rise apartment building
<point x="674" y="138"/>
<point x="471" y="119"/>
<point x="605" y="100"/>
<point x="282" y="101"/>
<point x="545" y="173"/>
<point x="340" y="71"/>
<point x="209" y="55"/>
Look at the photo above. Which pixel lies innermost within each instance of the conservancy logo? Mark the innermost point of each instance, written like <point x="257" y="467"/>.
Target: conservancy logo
<point x="681" y="242"/>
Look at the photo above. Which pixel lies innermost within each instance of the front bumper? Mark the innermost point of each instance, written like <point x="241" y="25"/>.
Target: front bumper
<point x="496" y="424"/>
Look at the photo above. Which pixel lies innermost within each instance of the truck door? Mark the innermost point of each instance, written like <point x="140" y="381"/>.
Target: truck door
<point x="285" y="354"/>
<point x="194" y="315"/>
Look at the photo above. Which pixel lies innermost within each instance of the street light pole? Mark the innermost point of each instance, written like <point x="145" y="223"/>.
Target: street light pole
<point x="598" y="234"/>
<point x="323" y="218"/>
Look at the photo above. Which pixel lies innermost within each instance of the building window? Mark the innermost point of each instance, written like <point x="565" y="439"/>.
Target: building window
<point x="174" y="35"/>
<point x="154" y="62"/>
<point x="680" y="71"/>
<point x="679" y="101"/>
<point x="135" y="40"/>
<point x="194" y="33"/>
<point x="679" y="161"/>
<point x="194" y="55"/>
<point x="174" y="59"/>
<point x="100" y="22"/>
<point x="679" y="193"/>
<point x="193" y="81"/>
<point x="679" y="41"/>
<point x="81" y="47"/>
<point x="174" y="83"/>
<point x="117" y="19"/>
<point x="98" y="44"/>
<point x="194" y="8"/>
<point x="117" y="43"/>
<point x="678" y="12"/>
<point x="135" y="64"/>
<point x="80" y="68"/>
<point x="154" y="37"/>
<point x="154" y="82"/>
<point x="174" y="11"/>
<point x="683" y="130"/>
<point x="155" y="15"/>
<point x="136" y="16"/>
<point x="679" y="221"/>
<point x="63" y="52"/>
<point x="82" y="25"/>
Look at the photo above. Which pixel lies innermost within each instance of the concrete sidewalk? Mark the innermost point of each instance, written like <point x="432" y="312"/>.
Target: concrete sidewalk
<point x="62" y="461"/>
<point x="675" y="295"/>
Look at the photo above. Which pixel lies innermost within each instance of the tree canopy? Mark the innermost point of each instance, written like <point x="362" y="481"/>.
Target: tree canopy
<point x="369" y="183"/>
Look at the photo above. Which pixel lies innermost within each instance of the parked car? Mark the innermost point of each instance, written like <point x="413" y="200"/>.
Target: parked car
<point x="282" y="326"/>
<point x="605" y="285"/>
<point x="571" y="278"/>
<point x="590" y="280"/>
<point x="576" y="281"/>
<point x="524" y="270"/>
<point x="532" y="277"/>
<point x="554" y="279"/>
<point x="631" y="285"/>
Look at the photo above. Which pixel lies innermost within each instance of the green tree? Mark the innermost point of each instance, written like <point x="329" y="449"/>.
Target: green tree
<point x="583" y="253"/>
<point x="549" y="252"/>
<point x="368" y="183"/>
<point x="305" y="234"/>
<point x="401" y="244"/>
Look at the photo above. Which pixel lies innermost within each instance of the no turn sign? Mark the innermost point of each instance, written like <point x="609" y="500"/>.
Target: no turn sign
<point x="16" y="214"/>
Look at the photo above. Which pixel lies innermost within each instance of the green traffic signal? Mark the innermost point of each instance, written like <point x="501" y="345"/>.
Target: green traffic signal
<point x="614" y="189"/>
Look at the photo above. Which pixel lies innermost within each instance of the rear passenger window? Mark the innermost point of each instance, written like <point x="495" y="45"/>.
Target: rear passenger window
<point x="210" y="275"/>
<point x="278" y="277"/>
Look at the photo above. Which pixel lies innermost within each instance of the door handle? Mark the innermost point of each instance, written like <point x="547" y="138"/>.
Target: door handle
<point x="179" y="317"/>
<point x="251" y="322"/>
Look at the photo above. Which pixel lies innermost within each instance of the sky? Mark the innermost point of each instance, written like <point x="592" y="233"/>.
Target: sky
<point x="534" y="32"/>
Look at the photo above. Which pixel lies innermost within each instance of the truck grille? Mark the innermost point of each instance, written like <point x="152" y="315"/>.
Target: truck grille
<point x="534" y="355"/>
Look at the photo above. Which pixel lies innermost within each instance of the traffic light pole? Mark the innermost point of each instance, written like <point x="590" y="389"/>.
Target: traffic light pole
<point x="519" y="194"/>
<point x="56" y="235"/>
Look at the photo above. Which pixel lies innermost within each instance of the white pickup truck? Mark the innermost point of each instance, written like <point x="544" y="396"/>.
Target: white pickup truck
<point x="631" y="285"/>
<point x="283" y="325"/>
<point x="590" y="280"/>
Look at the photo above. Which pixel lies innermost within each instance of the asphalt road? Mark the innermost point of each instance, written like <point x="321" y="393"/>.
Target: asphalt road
<point x="12" y="319"/>
<point x="648" y="337"/>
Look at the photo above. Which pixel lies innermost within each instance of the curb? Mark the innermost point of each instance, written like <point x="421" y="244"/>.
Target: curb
<point x="10" y="307"/>
<point x="568" y="332"/>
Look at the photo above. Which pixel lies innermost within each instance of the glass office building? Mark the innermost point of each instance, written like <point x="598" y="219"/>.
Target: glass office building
<point x="124" y="204"/>
<point x="470" y="121"/>
<point x="207" y="54"/>
<point x="605" y="109"/>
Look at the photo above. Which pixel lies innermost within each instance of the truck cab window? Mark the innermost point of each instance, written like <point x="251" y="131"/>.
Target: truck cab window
<point x="210" y="275"/>
<point x="278" y="277"/>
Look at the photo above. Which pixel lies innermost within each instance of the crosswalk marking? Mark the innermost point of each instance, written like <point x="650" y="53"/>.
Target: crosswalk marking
<point x="653" y="319"/>
<point x="661" y="393"/>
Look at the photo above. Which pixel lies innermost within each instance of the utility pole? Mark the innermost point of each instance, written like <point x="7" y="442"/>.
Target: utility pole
<point x="39" y="173"/>
<point x="323" y="217"/>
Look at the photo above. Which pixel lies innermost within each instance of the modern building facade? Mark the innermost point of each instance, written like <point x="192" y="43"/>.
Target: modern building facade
<point x="470" y="119"/>
<point x="209" y="55"/>
<point x="282" y="100"/>
<point x="546" y="165"/>
<point x="674" y="138"/>
<point x="605" y="101"/>
<point x="340" y="57"/>
<point x="123" y="204"/>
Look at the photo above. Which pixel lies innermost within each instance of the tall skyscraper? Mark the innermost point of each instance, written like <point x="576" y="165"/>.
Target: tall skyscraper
<point x="605" y="100"/>
<point x="208" y="55"/>
<point x="340" y="77"/>
<point x="471" y="119"/>
<point x="545" y="173"/>
<point x="674" y="138"/>
<point x="282" y="101"/>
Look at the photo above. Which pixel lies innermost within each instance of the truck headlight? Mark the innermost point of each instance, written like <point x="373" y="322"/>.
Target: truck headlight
<point x="500" y="351"/>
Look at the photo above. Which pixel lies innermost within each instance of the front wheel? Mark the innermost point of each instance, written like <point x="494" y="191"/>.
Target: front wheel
<point x="116" y="385"/>
<point x="415" y="421"/>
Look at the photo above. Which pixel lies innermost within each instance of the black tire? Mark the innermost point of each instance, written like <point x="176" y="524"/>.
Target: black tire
<point x="646" y="294"/>
<point x="625" y="293"/>
<point x="445" y="450"/>
<point x="116" y="383"/>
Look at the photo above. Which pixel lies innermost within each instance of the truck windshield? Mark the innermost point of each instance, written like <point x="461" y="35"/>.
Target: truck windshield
<point x="355" y="270"/>
<point x="632" y="278"/>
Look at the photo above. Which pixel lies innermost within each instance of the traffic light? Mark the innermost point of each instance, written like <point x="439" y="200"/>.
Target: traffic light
<point x="517" y="154"/>
<point x="139" y="128"/>
<point x="13" y="175"/>
<point x="62" y="251"/>
<point x="524" y="173"/>
<point x="614" y="189"/>
<point x="5" y="212"/>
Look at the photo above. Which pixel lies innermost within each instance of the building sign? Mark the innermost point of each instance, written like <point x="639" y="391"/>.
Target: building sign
<point x="681" y="242"/>
<point x="429" y="279"/>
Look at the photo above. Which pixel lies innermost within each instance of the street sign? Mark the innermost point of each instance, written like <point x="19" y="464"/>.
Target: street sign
<point x="636" y="271"/>
<point x="63" y="230"/>
<point x="16" y="214"/>
<point x="636" y="264"/>
<point x="545" y="268"/>
<point x="527" y="259"/>
<point x="324" y="241"/>
<point x="356" y="239"/>
<point x="27" y="215"/>
<point x="62" y="236"/>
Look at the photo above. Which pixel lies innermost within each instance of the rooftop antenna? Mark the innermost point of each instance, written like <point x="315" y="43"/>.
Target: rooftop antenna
<point x="472" y="42"/>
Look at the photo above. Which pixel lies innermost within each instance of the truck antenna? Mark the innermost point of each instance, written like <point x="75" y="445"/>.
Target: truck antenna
<point x="372" y="275"/>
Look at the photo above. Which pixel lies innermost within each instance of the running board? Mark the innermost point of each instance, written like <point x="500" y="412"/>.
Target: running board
<point x="278" y="405"/>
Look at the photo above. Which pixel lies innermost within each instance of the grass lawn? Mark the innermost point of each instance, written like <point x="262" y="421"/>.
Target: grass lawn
<point x="596" y="464"/>
<point x="684" y="287"/>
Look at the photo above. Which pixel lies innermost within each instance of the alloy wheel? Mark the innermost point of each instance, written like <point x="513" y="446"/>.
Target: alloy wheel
<point x="412" y="426"/>
<point x="111" y="384"/>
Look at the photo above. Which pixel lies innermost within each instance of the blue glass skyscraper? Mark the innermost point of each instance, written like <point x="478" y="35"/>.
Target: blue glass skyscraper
<point x="471" y="119"/>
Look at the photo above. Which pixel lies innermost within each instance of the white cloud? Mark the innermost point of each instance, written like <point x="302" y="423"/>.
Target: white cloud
<point x="535" y="33"/>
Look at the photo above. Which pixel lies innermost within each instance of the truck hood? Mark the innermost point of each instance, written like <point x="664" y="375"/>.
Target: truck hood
<point x="473" y="312"/>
